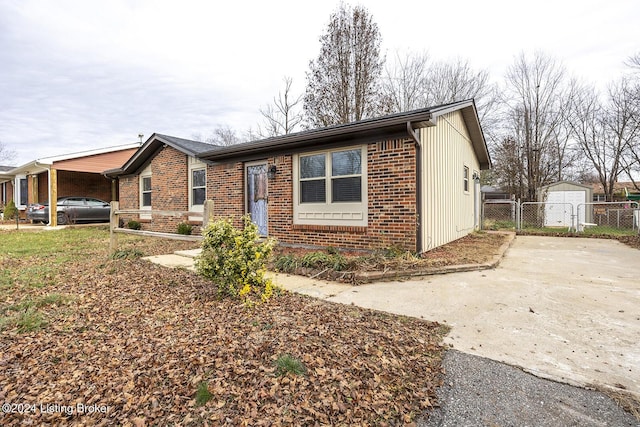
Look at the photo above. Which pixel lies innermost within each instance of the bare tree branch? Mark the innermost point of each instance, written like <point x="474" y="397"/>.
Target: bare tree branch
<point x="6" y="155"/>
<point x="282" y="117"/>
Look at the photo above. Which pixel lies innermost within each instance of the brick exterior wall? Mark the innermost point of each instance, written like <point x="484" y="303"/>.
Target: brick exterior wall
<point x="392" y="218"/>
<point x="72" y="184"/>
<point x="6" y="193"/>
<point x="169" y="191"/>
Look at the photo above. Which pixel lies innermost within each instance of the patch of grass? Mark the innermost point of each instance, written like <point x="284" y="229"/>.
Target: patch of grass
<point x="26" y="317"/>
<point x="612" y="231"/>
<point x="203" y="395"/>
<point x="127" y="254"/>
<point x="286" y="363"/>
<point x="30" y="320"/>
<point x="52" y="299"/>
<point x="70" y="241"/>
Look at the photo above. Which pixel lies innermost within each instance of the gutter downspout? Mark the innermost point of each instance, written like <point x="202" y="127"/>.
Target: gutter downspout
<point x="416" y="142"/>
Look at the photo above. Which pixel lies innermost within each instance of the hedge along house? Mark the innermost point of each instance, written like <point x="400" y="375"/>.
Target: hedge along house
<point x="75" y="174"/>
<point x="409" y="180"/>
<point x="165" y="173"/>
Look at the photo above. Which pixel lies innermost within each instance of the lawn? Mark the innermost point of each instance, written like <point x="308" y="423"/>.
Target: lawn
<point x="88" y="339"/>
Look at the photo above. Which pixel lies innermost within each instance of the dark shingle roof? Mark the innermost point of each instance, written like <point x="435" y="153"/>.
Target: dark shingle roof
<point x="155" y="143"/>
<point x="187" y="146"/>
<point x="6" y="168"/>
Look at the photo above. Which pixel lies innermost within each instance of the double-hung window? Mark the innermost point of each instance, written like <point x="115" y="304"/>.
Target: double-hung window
<point x="330" y="187"/>
<point x="146" y="192"/>
<point x="331" y="177"/>
<point x="198" y="186"/>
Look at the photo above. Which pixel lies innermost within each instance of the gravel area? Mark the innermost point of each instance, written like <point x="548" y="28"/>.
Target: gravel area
<point x="482" y="392"/>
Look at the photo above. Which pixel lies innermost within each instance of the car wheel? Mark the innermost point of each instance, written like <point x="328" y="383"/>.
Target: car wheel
<point x="62" y="219"/>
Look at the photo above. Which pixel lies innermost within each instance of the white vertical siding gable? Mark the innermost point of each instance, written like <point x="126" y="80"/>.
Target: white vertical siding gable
<point x="447" y="210"/>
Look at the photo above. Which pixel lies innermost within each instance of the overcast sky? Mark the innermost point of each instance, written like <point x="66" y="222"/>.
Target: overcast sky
<point x="83" y="74"/>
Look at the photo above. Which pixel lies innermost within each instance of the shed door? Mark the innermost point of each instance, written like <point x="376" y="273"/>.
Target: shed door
<point x="257" y="196"/>
<point x="558" y="209"/>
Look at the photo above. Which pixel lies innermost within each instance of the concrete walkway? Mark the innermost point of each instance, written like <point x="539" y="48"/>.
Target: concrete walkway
<point x="566" y="309"/>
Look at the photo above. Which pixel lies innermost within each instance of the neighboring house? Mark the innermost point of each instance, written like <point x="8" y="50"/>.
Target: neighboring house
<point x="491" y="193"/>
<point x="6" y="186"/>
<point x="621" y="191"/>
<point x="409" y="180"/>
<point x="165" y="173"/>
<point x="76" y="174"/>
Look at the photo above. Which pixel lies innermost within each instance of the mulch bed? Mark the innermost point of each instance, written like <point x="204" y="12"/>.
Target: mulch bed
<point x="476" y="248"/>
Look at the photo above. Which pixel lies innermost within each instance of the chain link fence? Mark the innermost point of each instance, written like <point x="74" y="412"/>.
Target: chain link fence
<point x="597" y="217"/>
<point x="500" y="214"/>
<point x="547" y="215"/>
<point x="609" y="216"/>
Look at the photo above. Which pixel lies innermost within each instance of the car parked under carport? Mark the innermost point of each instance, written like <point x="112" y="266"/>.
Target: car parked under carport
<point x="72" y="209"/>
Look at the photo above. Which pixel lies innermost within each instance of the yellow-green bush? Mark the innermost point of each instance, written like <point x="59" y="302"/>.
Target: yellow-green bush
<point x="236" y="260"/>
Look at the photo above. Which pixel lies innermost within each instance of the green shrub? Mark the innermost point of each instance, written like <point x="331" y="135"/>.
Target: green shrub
<point x="236" y="260"/>
<point x="10" y="211"/>
<point x="184" y="228"/>
<point x="320" y="259"/>
<point x="134" y="225"/>
<point x="286" y="263"/>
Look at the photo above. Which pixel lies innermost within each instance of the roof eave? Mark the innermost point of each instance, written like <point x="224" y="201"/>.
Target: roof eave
<point x="348" y="133"/>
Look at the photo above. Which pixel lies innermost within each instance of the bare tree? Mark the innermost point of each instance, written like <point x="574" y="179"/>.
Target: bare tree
<point x="412" y="82"/>
<point x="6" y="155"/>
<point x="405" y="81"/>
<point x="606" y="132"/>
<point x="535" y="98"/>
<point x="282" y="117"/>
<point x="634" y="62"/>
<point x="343" y="83"/>
<point x="222" y="135"/>
<point x="508" y="166"/>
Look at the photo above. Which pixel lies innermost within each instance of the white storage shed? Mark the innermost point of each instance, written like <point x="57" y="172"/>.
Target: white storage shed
<point x="566" y="204"/>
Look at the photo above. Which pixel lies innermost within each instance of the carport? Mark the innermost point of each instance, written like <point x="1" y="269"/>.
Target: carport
<point x="76" y="174"/>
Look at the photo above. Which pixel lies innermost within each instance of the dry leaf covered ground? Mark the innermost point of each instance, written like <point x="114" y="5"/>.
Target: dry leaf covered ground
<point x="90" y="340"/>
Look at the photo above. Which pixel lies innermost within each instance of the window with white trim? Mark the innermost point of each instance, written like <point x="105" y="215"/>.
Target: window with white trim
<point x="145" y="198"/>
<point x="24" y="192"/>
<point x="330" y="187"/>
<point x="342" y="184"/>
<point x="198" y="186"/>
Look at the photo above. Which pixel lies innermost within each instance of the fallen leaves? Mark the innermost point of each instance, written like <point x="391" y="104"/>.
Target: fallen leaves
<point x="141" y="339"/>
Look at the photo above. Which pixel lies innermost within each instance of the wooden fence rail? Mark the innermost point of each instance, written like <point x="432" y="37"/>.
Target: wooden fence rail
<point x="114" y="223"/>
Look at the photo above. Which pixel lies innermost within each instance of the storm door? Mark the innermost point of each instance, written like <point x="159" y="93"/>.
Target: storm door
<point x="257" y="195"/>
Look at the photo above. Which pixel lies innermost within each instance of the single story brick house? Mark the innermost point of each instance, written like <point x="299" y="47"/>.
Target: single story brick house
<point x="409" y="180"/>
<point x="74" y="174"/>
<point x="165" y="173"/>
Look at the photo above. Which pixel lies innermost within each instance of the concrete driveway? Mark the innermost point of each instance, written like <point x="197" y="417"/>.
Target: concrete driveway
<point x="567" y="309"/>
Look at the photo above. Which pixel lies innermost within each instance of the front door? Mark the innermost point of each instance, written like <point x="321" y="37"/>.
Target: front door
<point x="257" y="195"/>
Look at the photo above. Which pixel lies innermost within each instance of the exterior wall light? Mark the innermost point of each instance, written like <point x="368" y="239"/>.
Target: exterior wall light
<point x="271" y="172"/>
